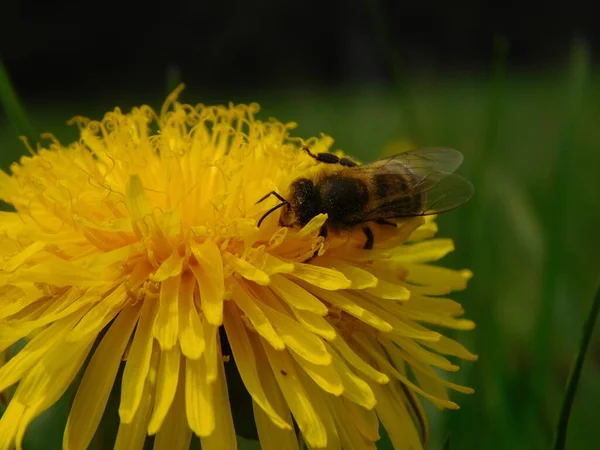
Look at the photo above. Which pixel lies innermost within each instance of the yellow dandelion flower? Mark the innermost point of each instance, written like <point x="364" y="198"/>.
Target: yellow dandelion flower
<point x="138" y="245"/>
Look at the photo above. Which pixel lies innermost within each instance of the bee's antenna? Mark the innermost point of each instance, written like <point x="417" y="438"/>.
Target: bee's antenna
<point x="279" y="197"/>
<point x="274" y="208"/>
<point x="311" y="154"/>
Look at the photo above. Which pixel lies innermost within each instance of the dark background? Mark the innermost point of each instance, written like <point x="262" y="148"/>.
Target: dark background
<point x="58" y="49"/>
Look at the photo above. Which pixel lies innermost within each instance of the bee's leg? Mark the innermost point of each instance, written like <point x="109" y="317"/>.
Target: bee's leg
<point x="386" y="222"/>
<point x="323" y="231"/>
<point x="370" y="238"/>
<point x="330" y="158"/>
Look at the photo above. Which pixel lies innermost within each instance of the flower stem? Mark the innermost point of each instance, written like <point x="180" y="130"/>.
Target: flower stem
<point x="573" y="381"/>
<point x="12" y="105"/>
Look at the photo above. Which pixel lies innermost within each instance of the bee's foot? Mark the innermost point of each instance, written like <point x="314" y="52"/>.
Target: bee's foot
<point x="370" y="238"/>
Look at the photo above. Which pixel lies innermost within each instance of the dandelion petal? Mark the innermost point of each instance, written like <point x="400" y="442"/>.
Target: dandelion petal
<point x="355" y="388"/>
<point x="12" y="264"/>
<point x="390" y="291"/>
<point x="199" y="404"/>
<point x="138" y="364"/>
<point x="357" y="362"/>
<point x="224" y="436"/>
<point x="210" y="354"/>
<point x="175" y="434"/>
<point x="166" y="325"/>
<point x="247" y="365"/>
<point x="191" y="333"/>
<point x="166" y="385"/>
<point x="427" y="274"/>
<point x="364" y="420"/>
<point x="316" y="324"/>
<point x="396" y="420"/>
<point x="138" y="204"/>
<point x="321" y="276"/>
<point x="97" y="381"/>
<point x="250" y="272"/>
<point x="325" y="376"/>
<point x="304" y="343"/>
<point x="131" y="436"/>
<point x="210" y="280"/>
<point x="297" y="297"/>
<point x="360" y="278"/>
<point x="170" y="268"/>
<point x="9" y="423"/>
<point x="426" y="251"/>
<point x="348" y="305"/>
<point x="258" y="318"/>
<point x="295" y="395"/>
<point x="271" y="436"/>
<point x="34" y="350"/>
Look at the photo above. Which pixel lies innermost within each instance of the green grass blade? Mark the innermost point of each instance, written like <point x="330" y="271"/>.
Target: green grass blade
<point x="447" y="442"/>
<point x="560" y="438"/>
<point x="14" y="108"/>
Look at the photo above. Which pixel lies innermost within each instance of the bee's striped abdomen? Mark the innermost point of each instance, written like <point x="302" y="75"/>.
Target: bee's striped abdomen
<point x="398" y="190"/>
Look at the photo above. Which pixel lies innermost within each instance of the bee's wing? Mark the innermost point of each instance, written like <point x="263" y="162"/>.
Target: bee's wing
<point x="436" y="193"/>
<point x="419" y="182"/>
<point x="428" y="159"/>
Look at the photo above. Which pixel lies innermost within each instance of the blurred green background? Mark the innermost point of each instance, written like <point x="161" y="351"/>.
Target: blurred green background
<point x="531" y="140"/>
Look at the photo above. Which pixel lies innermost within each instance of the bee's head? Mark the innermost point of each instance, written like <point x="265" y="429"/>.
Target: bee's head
<point x="288" y="216"/>
<point x="303" y="204"/>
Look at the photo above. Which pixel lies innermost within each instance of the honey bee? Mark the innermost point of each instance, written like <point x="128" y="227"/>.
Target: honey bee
<point x="413" y="183"/>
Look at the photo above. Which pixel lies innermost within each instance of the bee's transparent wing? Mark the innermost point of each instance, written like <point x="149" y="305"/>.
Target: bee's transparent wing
<point x="419" y="182"/>
<point x="428" y="159"/>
